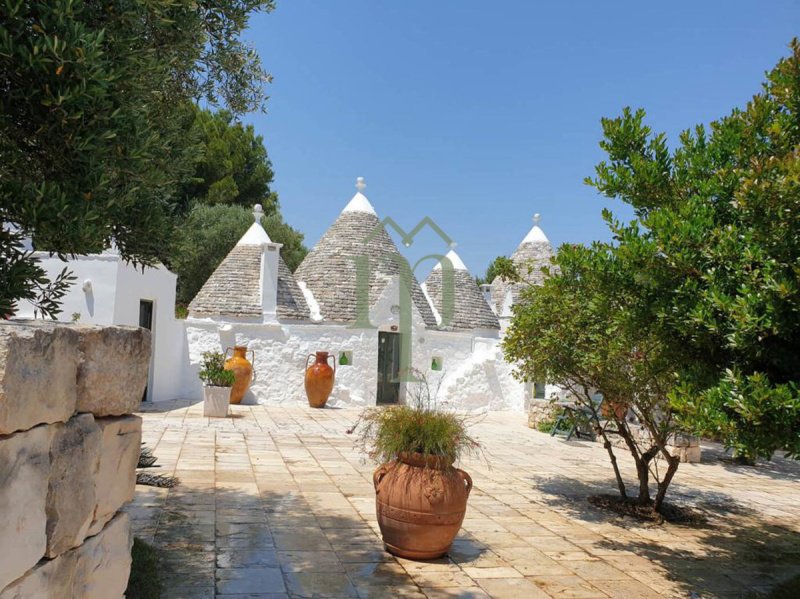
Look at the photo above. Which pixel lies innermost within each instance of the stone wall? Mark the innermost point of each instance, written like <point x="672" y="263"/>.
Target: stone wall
<point x="68" y="453"/>
<point x="541" y="410"/>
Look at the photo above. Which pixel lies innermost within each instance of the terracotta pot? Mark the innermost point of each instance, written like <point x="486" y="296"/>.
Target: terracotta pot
<point x="319" y="379"/>
<point x="421" y="501"/>
<point x="216" y="401"/>
<point x="609" y="409"/>
<point x="242" y="369"/>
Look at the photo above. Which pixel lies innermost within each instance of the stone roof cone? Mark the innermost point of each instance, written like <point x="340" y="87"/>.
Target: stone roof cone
<point x="235" y="287"/>
<point x="329" y="271"/>
<point x="533" y="252"/>
<point x="469" y="308"/>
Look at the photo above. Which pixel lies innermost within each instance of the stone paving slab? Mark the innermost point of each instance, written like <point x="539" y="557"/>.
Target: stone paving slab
<point x="276" y="502"/>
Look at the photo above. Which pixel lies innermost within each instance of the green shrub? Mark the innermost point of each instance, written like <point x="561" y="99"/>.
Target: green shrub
<point x="144" y="582"/>
<point x="546" y="426"/>
<point x="213" y="373"/>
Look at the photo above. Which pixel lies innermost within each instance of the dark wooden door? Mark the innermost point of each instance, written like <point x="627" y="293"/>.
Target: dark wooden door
<point x="388" y="368"/>
<point x="146" y="322"/>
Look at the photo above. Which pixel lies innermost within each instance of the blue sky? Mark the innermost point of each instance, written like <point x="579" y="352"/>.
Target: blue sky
<point x="479" y="114"/>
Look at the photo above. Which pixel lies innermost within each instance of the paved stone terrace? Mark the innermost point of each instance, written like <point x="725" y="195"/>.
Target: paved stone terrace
<point x="275" y="502"/>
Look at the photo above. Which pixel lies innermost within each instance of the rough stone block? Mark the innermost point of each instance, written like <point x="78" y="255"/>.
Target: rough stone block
<point x="38" y="368"/>
<point x="541" y="410"/>
<point x="74" y="461"/>
<point x="52" y="579"/>
<point x="97" y="569"/>
<point x="112" y="373"/>
<point x="24" y="469"/>
<point x="689" y="455"/>
<point x="684" y="440"/>
<point x="115" y="482"/>
<point x="104" y="561"/>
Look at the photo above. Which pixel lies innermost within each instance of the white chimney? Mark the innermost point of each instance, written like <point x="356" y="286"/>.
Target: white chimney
<point x="270" y="258"/>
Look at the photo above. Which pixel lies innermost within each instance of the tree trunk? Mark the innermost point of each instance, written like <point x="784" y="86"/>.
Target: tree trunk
<point x="663" y="484"/>
<point x="660" y="436"/>
<point x="643" y="471"/>
<point x="617" y="474"/>
<point x="642" y="462"/>
<point x="606" y="443"/>
<point x="643" y="474"/>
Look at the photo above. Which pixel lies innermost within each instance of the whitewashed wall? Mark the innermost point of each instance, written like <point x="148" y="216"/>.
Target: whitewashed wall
<point x="474" y="376"/>
<point x="471" y="377"/>
<point x="113" y="298"/>
<point x="281" y="352"/>
<point x="93" y="307"/>
<point x="170" y="353"/>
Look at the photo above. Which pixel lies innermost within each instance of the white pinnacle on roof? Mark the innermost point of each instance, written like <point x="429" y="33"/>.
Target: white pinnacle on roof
<point x="256" y="235"/>
<point x="455" y="260"/>
<point x="536" y="235"/>
<point x="360" y="203"/>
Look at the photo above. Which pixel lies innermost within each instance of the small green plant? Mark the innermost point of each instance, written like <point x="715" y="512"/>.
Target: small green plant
<point x="181" y="312"/>
<point x="213" y="373"/>
<point x="76" y="316"/>
<point x="144" y="581"/>
<point x="546" y="425"/>
<point x="418" y="427"/>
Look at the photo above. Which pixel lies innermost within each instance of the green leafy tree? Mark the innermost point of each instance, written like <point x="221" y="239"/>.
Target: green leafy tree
<point x="94" y="114"/>
<point x="233" y="166"/>
<point x="587" y="330"/>
<point x="717" y="249"/>
<point x="207" y="235"/>
<point x="492" y="270"/>
<point x="232" y="174"/>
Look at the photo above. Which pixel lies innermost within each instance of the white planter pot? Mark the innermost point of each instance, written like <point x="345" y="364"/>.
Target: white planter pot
<point x="216" y="401"/>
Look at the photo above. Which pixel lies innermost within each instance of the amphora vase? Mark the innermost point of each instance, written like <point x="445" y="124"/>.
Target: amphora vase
<point x="319" y="379"/>
<point x="421" y="501"/>
<point x="242" y="370"/>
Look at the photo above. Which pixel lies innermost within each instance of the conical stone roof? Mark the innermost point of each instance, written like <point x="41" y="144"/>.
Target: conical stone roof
<point x="330" y="270"/>
<point x="531" y="255"/>
<point x="234" y="288"/>
<point x="469" y="308"/>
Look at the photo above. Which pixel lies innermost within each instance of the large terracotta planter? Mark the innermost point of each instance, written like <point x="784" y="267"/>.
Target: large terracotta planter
<point x="421" y="504"/>
<point x="242" y="369"/>
<point x="319" y="379"/>
<point x="216" y="401"/>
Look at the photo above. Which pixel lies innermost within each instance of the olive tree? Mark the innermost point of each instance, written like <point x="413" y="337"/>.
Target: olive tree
<point x="95" y="105"/>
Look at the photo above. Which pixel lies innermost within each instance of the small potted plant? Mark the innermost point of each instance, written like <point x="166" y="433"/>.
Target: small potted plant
<point x="421" y="497"/>
<point x="217" y="383"/>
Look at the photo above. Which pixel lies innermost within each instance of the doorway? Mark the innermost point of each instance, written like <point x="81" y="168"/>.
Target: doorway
<point x="146" y="322"/>
<point x="388" y="368"/>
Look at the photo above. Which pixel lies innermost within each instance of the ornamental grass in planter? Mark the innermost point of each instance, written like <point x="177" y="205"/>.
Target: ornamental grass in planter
<point x="217" y="383"/>
<point x="421" y="497"/>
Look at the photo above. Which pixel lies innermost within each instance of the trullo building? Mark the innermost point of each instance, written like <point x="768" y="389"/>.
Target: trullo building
<point x="355" y="296"/>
